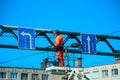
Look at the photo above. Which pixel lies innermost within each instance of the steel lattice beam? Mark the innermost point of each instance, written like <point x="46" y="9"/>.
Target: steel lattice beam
<point x="69" y="35"/>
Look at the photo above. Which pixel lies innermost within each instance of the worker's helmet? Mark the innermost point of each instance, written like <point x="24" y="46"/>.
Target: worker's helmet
<point x="56" y="32"/>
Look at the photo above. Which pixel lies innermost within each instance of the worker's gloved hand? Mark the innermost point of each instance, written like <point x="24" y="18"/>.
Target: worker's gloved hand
<point x="53" y="46"/>
<point x="58" y="59"/>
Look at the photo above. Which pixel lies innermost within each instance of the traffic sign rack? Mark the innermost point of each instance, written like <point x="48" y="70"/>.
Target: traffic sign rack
<point x="69" y="35"/>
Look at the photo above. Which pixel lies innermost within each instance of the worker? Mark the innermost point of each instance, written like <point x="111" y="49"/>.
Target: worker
<point x="59" y="42"/>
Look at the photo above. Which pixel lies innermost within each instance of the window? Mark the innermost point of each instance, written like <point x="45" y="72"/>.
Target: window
<point x="13" y="76"/>
<point x="24" y="76"/>
<point x="45" y="76"/>
<point x="114" y="72"/>
<point x="3" y="75"/>
<point x="95" y="74"/>
<point x="35" y="77"/>
<point x="104" y="73"/>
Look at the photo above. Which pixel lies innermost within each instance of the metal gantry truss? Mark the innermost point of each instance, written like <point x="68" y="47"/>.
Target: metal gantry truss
<point x="73" y="48"/>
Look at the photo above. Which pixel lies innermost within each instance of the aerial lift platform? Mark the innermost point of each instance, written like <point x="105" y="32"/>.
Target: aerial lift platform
<point x="67" y="73"/>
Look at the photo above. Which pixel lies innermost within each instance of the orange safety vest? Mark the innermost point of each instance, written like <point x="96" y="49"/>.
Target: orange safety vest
<point x="59" y="42"/>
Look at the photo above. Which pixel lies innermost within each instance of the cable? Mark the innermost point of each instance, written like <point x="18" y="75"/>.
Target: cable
<point x="20" y="57"/>
<point x="113" y="32"/>
<point x="6" y="36"/>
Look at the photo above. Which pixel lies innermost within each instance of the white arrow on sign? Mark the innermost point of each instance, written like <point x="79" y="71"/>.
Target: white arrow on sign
<point x="88" y="39"/>
<point x="28" y="34"/>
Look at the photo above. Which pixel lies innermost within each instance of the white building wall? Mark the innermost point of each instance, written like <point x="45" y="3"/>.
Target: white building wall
<point x="104" y="67"/>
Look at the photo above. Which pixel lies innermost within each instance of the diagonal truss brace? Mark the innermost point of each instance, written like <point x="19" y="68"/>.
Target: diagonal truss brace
<point x="69" y="35"/>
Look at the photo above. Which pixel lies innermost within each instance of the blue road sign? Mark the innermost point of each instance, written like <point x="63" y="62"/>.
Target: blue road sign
<point x="26" y="38"/>
<point x="88" y="43"/>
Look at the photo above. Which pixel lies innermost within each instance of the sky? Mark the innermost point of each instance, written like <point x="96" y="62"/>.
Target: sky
<point x="87" y="16"/>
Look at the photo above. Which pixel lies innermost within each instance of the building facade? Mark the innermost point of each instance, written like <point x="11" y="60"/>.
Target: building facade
<point x="13" y="73"/>
<point x="103" y="72"/>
